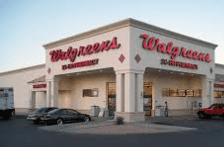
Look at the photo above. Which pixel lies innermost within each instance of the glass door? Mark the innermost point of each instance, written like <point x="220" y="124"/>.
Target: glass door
<point x="147" y="98"/>
<point x="111" y="95"/>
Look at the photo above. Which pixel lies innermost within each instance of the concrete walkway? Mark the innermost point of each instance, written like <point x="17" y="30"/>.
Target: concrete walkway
<point x="107" y="127"/>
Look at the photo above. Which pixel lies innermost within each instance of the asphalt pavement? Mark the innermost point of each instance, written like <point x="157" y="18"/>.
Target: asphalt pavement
<point x="108" y="127"/>
<point x="19" y="132"/>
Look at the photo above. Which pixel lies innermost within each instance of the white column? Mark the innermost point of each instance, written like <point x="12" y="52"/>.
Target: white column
<point x="130" y="91"/>
<point x="212" y="91"/>
<point x="48" y="94"/>
<point x="54" y="93"/>
<point x="33" y="100"/>
<point x="207" y="91"/>
<point x="119" y="92"/>
<point x="140" y="92"/>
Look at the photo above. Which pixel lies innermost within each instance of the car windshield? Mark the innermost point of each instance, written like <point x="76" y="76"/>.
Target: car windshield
<point x="40" y="110"/>
<point x="212" y="106"/>
<point x="50" y="109"/>
<point x="53" y="111"/>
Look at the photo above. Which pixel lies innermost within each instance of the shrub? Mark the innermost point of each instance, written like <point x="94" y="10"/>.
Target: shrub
<point x="119" y="121"/>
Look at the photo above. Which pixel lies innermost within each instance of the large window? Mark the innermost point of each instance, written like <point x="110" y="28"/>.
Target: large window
<point x="90" y="92"/>
<point x="219" y="94"/>
<point x="169" y="92"/>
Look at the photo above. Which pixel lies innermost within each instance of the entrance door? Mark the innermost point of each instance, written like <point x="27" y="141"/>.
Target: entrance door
<point x="147" y="98"/>
<point x="111" y="95"/>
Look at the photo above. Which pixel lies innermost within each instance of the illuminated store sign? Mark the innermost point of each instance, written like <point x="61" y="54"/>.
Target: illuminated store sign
<point x="179" y="64"/>
<point x="72" y="53"/>
<point x="40" y="86"/>
<point x="80" y="64"/>
<point x="154" y="43"/>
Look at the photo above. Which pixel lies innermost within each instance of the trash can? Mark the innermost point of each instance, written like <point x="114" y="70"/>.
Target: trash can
<point x="162" y="111"/>
<point x="94" y="111"/>
<point x="159" y="111"/>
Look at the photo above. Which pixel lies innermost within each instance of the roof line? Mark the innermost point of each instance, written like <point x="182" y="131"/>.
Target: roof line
<point x="125" y="23"/>
<point x="22" y="69"/>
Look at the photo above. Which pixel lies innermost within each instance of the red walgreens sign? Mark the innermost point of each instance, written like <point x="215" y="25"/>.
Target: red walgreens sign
<point x="179" y="64"/>
<point x="72" y="53"/>
<point x="154" y="43"/>
<point x="80" y="64"/>
<point x="40" y="86"/>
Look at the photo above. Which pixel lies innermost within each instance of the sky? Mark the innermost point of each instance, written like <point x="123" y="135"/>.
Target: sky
<point x="26" y="25"/>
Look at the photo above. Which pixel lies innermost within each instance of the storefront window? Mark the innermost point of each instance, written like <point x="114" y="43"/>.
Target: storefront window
<point x="190" y="93"/>
<point x="168" y="92"/>
<point x="218" y="94"/>
<point x="197" y="93"/>
<point x="112" y="90"/>
<point x="90" y="92"/>
<point x="182" y="92"/>
<point x="173" y="92"/>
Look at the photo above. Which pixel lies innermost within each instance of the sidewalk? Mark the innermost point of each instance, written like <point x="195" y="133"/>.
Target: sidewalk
<point x="103" y="126"/>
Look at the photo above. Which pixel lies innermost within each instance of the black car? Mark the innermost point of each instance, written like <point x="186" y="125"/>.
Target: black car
<point x="36" y="115"/>
<point x="60" y="116"/>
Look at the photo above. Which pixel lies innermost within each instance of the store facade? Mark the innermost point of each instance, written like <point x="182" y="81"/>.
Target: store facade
<point x="129" y="68"/>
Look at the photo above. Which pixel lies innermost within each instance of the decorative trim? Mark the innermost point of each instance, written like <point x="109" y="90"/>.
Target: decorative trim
<point x="23" y="69"/>
<point x="129" y="71"/>
<point x="39" y="79"/>
<point x="126" y="23"/>
<point x="217" y="65"/>
<point x="170" y="34"/>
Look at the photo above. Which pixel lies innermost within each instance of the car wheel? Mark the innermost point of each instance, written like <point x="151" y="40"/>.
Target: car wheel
<point x="86" y="119"/>
<point x="59" y="121"/>
<point x="36" y="121"/>
<point x="5" y="117"/>
<point x="208" y="117"/>
<point x="201" y="115"/>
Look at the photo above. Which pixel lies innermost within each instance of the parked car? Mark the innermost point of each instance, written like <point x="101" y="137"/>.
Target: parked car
<point x="60" y="116"/>
<point x="36" y="115"/>
<point x="213" y="110"/>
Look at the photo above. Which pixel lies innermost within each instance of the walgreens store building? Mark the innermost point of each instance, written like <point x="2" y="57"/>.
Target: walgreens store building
<point x="128" y="67"/>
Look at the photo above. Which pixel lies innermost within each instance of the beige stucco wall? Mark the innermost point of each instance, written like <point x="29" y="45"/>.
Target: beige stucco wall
<point x="72" y="96"/>
<point x="19" y="81"/>
<point x="173" y="81"/>
<point x="65" y="100"/>
<point x="106" y="58"/>
<point x="153" y="58"/>
<point x="70" y="90"/>
<point x="89" y="82"/>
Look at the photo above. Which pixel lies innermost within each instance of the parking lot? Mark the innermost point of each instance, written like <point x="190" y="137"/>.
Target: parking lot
<point x="20" y="132"/>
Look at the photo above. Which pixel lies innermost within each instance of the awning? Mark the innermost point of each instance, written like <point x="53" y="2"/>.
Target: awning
<point x="40" y="79"/>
